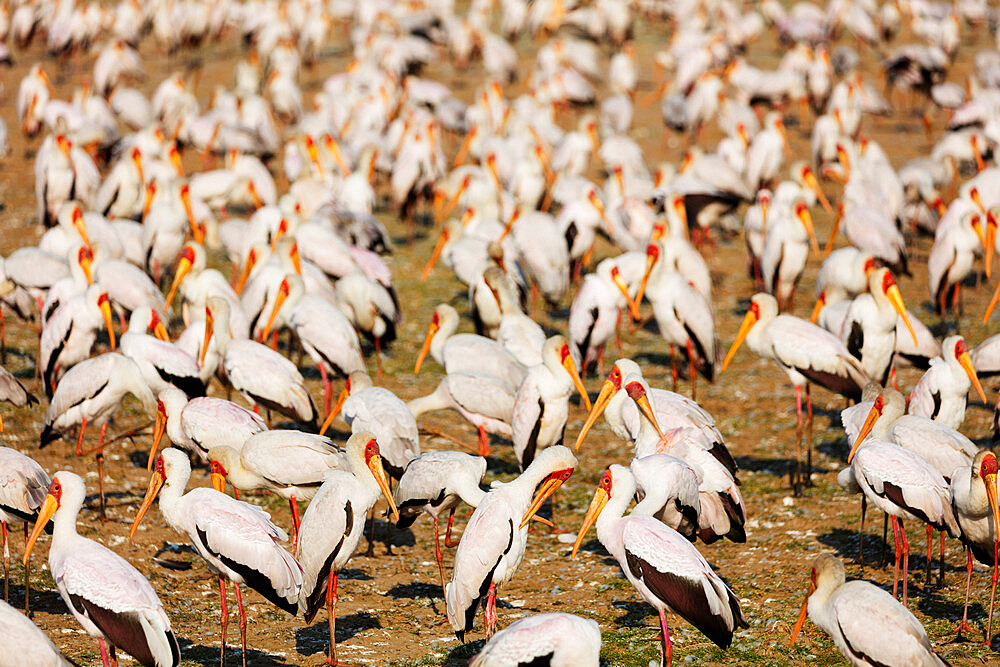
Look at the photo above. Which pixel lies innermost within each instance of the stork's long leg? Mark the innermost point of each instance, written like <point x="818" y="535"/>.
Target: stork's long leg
<point x="964" y="625"/>
<point x="104" y="653"/>
<point x="895" y="568"/>
<point x="491" y="610"/>
<point x="906" y="558"/>
<point x="861" y="531"/>
<point x="6" y="562"/>
<point x="809" y="435"/>
<point x="223" y="621"/>
<point x="797" y="469"/>
<point x="331" y="614"/>
<point x="243" y="622"/>
<point x="327" y="390"/>
<point x="447" y="536"/>
<point x="665" y="640"/>
<point x="693" y="371"/>
<point x="440" y="559"/>
<point x="673" y="367"/>
<point x="993" y="591"/>
<point x="885" y="538"/>
<point x="27" y="573"/>
<point x="293" y="504"/>
<point x="940" y="581"/>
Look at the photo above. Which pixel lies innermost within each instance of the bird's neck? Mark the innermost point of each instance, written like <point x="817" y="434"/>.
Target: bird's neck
<point x="469" y="491"/>
<point x="611" y="515"/>
<point x="64" y="525"/>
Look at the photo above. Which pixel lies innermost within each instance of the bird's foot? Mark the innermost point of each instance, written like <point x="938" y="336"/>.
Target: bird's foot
<point x="964" y="626"/>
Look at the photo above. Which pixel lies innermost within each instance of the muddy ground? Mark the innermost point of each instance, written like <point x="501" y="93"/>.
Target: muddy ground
<point x="391" y="609"/>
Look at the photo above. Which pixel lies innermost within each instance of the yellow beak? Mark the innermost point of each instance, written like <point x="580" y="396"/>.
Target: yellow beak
<point x="279" y="300"/>
<point x="749" y="320"/>
<point x="426" y="347"/>
<point x="183" y="268"/>
<point x="866" y="428"/>
<point x="547" y="488"/>
<point x="810" y="180"/>
<point x="375" y="465"/>
<point x="607" y="391"/>
<point x="158" y="429"/>
<point x="155" y="484"/>
<point x="245" y="273"/>
<point x="806" y="219"/>
<point x="209" y="326"/>
<point x="438" y="247"/>
<point x="818" y="308"/>
<point x="335" y="411"/>
<point x="650" y="263"/>
<point x="966" y="362"/>
<point x="802" y="614"/>
<point x="601" y="498"/>
<point x="574" y="374"/>
<point x="108" y="321"/>
<point x="49" y="507"/>
<point x="219" y="482"/>
<point x="896" y="299"/>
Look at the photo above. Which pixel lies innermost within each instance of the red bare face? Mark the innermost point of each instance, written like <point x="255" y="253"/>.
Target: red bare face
<point x="283" y="288"/>
<point x="161" y="467"/>
<point x="217" y="468"/>
<point x="755" y="309"/>
<point x="989" y="466"/>
<point x="188" y="254"/>
<point x="162" y="409"/>
<point x="879" y="404"/>
<point x="561" y="475"/>
<point x="371" y="449"/>
<point x="961" y="348"/>
<point x="635" y="390"/>
<point x="869" y="264"/>
<point x="101" y="300"/>
<point x="887" y="282"/>
<point x="436" y="320"/>
<point x="653" y="250"/>
<point x="55" y="490"/>
<point x="153" y="321"/>
<point x="800" y="209"/>
<point x="84" y="254"/>
<point x="564" y="352"/>
<point x="605" y="482"/>
<point x="615" y="377"/>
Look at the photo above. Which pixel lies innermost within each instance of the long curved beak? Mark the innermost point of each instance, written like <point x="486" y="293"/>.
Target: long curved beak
<point x="335" y="411"/>
<point x="209" y="326"/>
<point x="183" y="268"/>
<point x="803" y="613"/>
<point x="806" y="219"/>
<point x="48" y="508"/>
<point x="991" y="238"/>
<point x="833" y="233"/>
<point x="896" y="299"/>
<point x="544" y="492"/>
<point x="574" y="374"/>
<point x="633" y="306"/>
<point x="647" y="409"/>
<point x="87" y="270"/>
<point x="108" y="321"/>
<point x="378" y="472"/>
<point x="810" y="180"/>
<point x="426" y="347"/>
<point x="155" y="484"/>
<point x="749" y="320"/>
<point x="818" y="308"/>
<point x="245" y="273"/>
<point x="192" y="223"/>
<point x="601" y="498"/>
<point x="219" y="482"/>
<point x="866" y="428"/>
<point x="603" y="398"/>
<point x="993" y="304"/>
<point x="438" y="247"/>
<point x="966" y="363"/>
<point x="279" y="300"/>
<point x="991" y="494"/>
<point x="158" y="429"/>
<point x="81" y="227"/>
<point x="650" y="263"/>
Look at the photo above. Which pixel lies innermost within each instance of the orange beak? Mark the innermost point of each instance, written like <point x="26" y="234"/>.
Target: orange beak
<point x="159" y="427"/>
<point x="105" y="305"/>
<point x="574" y="375"/>
<point x="818" y="308"/>
<point x="601" y="498"/>
<point x="438" y="248"/>
<point x="45" y="512"/>
<point x="803" y="613"/>
<point x="866" y="428"/>
<point x="966" y="363"/>
<point x="279" y="300"/>
<point x="600" y="403"/>
<point x="209" y="326"/>
<point x="247" y="268"/>
<point x="749" y="320"/>
<point x="810" y="178"/>
<point x="545" y="491"/>
<point x="155" y="484"/>
<point x="344" y="393"/>
<point x="183" y="268"/>
<point x="651" y="260"/>
<point x="81" y="227"/>
<point x="426" y="347"/>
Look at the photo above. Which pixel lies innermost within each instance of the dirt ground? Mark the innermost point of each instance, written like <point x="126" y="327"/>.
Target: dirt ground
<point x="391" y="610"/>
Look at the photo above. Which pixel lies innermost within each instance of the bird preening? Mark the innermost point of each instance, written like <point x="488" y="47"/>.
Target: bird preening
<point x="303" y="300"/>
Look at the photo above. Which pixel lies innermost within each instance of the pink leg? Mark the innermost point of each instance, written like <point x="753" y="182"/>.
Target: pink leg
<point x="243" y="622"/>
<point x="491" y="611"/>
<point x="692" y="370"/>
<point x="331" y="614"/>
<point x="104" y="653"/>
<point x="798" y="440"/>
<point x="667" y="646"/>
<point x="930" y="558"/>
<point x="295" y="521"/>
<point x="618" y="331"/>
<point x="673" y="367"/>
<point x="326" y="389"/>
<point x="223" y="620"/>
<point x="440" y="559"/>
<point x="964" y="625"/>
<point x="378" y="356"/>
<point x="906" y="558"/>
<point x="895" y="568"/>
<point x="6" y="562"/>
<point x="447" y="536"/>
<point x="993" y="591"/>
<point x="27" y="573"/>
<point x="484" y="442"/>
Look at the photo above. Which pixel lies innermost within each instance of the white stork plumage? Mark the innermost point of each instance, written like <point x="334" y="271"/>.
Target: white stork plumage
<point x="162" y="363"/>
<point x="493" y="543"/>
<point x="563" y="640"/>
<point x="237" y="540"/>
<point x="667" y="489"/>
<point x="942" y="391"/>
<point x="666" y="570"/>
<point x="104" y="592"/>
<point x="26" y="641"/>
<point x="288" y="463"/>
<point x="23" y="484"/>
<point x="334" y="523"/>
<point x="867" y="625"/>
<point x="438" y="482"/>
<point x="869" y="327"/>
